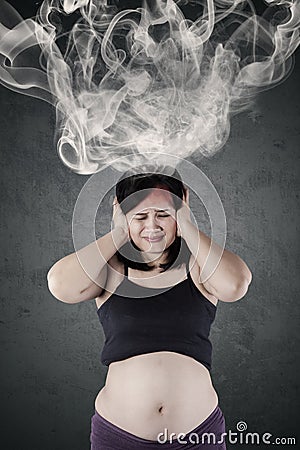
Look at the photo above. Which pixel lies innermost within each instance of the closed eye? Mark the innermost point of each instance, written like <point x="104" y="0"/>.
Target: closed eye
<point x="144" y="217"/>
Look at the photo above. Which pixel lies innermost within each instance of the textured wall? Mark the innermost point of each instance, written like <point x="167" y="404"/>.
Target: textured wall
<point x="256" y="370"/>
<point x="51" y="370"/>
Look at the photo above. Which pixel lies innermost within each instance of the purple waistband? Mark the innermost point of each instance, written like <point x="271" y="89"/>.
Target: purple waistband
<point x="214" y="423"/>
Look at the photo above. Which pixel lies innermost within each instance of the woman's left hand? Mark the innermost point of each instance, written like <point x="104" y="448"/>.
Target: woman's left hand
<point x="183" y="214"/>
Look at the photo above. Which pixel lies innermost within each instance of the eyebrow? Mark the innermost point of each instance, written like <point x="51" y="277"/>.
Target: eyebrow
<point x="157" y="210"/>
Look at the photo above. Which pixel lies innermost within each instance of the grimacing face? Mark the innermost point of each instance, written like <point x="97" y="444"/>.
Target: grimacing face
<point x="152" y="223"/>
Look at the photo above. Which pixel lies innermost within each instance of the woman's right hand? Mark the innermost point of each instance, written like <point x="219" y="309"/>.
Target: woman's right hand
<point x="119" y="218"/>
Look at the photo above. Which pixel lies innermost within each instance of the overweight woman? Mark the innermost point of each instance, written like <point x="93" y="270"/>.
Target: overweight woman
<point x="156" y="309"/>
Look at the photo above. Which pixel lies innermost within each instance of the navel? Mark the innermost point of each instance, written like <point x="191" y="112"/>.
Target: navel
<point x="161" y="409"/>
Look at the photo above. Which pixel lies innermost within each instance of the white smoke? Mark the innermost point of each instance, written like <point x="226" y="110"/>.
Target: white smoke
<point x="145" y="82"/>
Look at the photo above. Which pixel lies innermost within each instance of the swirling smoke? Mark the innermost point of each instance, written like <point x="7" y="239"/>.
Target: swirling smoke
<point x="145" y="82"/>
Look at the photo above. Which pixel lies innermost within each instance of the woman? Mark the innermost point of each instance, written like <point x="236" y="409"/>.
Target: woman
<point x="156" y="315"/>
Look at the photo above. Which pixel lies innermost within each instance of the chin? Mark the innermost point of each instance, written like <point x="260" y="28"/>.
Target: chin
<point x="148" y="247"/>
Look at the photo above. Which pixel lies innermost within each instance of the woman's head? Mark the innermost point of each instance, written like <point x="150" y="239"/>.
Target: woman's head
<point x="138" y="183"/>
<point x="150" y="201"/>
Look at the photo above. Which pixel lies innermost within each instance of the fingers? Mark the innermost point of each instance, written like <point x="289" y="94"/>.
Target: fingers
<point x="187" y="196"/>
<point x="115" y="205"/>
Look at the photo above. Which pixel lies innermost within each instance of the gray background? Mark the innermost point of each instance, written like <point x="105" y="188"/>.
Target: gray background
<point x="50" y="362"/>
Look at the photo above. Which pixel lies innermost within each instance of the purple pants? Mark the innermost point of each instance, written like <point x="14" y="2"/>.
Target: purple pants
<point x="107" y="436"/>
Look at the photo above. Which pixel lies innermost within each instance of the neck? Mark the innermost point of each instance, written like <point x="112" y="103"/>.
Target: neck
<point x="153" y="262"/>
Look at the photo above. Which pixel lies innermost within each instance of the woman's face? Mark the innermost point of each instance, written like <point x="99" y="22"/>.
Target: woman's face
<point x="152" y="223"/>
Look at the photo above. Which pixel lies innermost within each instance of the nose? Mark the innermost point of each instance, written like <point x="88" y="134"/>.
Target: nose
<point x="152" y="223"/>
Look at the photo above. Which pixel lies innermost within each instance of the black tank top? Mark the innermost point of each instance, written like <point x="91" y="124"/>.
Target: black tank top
<point x="176" y="319"/>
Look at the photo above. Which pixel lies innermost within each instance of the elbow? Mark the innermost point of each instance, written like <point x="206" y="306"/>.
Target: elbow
<point x="240" y="290"/>
<point x="237" y="292"/>
<point x="247" y="277"/>
<point x="55" y="286"/>
<point x="233" y="289"/>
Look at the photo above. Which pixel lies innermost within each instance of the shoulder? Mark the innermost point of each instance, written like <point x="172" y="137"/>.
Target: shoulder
<point x="194" y="269"/>
<point x="115" y="264"/>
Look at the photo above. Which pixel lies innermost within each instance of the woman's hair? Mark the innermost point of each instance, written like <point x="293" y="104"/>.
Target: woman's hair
<point x="139" y="185"/>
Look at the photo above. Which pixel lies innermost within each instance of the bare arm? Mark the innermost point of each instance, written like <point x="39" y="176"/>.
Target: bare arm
<point x="82" y="275"/>
<point x="224" y="275"/>
<point x="227" y="280"/>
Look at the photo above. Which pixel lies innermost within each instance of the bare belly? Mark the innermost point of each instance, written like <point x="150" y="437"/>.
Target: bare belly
<point x="147" y="393"/>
